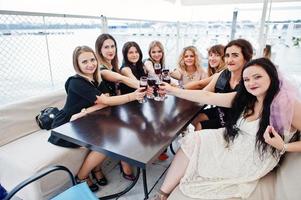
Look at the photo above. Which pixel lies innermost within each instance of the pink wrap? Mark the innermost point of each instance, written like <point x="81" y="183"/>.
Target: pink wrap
<point x="282" y="107"/>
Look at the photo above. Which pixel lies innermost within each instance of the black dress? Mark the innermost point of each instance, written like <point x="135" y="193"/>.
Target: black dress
<point x="80" y="94"/>
<point x="138" y="72"/>
<point x="218" y="116"/>
<point x="112" y="87"/>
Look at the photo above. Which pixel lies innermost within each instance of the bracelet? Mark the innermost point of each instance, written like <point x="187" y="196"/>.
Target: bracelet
<point x="284" y="148"/>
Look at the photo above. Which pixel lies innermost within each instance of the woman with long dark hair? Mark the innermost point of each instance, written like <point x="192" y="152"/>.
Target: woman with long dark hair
<point x="132" y="65"/>
<point x="86" y="93"/>
<point x="237" y="53"/>
<point x="106" y="52"/>
<point x="228" y="162"/>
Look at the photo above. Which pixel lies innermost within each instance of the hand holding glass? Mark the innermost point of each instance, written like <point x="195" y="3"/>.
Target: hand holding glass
<point x="143" y="84"/>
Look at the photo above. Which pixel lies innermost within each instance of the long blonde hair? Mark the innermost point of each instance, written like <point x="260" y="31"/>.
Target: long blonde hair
<point x="158" y="44"/>
<point x="197" y="59"/>
<point x="76" y="53"/>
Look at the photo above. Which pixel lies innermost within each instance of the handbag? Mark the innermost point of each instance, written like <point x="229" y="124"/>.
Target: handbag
<point x="46" y="117"/>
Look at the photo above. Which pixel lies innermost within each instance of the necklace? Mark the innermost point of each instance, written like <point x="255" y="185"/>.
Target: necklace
<point x="190" y="76"/>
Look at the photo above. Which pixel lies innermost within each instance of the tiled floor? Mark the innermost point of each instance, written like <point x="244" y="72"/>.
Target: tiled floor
<point x="118" y="183"/>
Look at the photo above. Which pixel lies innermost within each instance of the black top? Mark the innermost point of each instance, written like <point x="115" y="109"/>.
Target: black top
<point x="111" y="86"/>
<point x="80" y="94"/>
<point x="223" y="85"/>
<point x="138" y="72"/>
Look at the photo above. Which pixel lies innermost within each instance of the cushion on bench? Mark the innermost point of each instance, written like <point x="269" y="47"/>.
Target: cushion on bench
<point x="23" y="157"/>
<point x="18" y="119"/>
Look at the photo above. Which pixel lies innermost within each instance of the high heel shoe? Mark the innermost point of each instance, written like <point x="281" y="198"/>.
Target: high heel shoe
<point x="129" y="177"/>
<point x="93" y="187"/>
<point x="102" y="181"/>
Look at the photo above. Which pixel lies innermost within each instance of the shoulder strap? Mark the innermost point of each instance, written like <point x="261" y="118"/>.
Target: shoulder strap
<point x="222" y="81"/>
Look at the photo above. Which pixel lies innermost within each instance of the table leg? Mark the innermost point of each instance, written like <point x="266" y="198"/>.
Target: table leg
<point x="145" y="184"/>
<point x="171" y="149"/>
<point x="112" y="196"/>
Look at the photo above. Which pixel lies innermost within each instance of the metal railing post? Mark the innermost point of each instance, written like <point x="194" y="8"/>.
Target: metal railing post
<point x="48" y="54"/>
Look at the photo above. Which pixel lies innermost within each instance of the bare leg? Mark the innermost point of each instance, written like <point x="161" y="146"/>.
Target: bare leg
<point x="196" y="121"/>
<point x="93" y="160"/>
<point x="175" y="172"/>
<point x="126" y="168"/>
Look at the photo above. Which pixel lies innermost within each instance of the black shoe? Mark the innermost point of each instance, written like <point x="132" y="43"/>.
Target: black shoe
<point x="129" y="177"/>
<point x="103" y="181"/>
<point x="93" y="187"/>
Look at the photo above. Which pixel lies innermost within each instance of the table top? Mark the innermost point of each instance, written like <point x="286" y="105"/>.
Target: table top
<point x="133" y="132"/>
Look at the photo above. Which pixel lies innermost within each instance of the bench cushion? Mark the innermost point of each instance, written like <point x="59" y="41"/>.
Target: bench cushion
<point x="23" y="157"/>
<point x="18" y="119"/>
<point x="288" y="181"/>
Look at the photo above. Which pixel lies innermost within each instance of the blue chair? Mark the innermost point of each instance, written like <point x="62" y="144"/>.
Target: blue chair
<point x="76" y="192"/>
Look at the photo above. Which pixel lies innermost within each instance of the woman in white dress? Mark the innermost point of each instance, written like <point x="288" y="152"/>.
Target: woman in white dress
<point x="228" y="162"/>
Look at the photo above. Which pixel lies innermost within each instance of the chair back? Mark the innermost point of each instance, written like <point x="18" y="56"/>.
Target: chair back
<point x="76" y="192"/>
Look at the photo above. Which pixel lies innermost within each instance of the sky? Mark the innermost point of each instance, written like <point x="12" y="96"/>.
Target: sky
<point x="154" y="9"/>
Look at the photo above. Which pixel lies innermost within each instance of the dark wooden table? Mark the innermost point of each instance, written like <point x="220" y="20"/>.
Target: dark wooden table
<point x="135" y="133"/>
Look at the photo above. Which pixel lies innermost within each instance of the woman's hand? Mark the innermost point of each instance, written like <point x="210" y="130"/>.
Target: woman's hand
<point x="139" y="93"/>
<point x="77" y="115"/>
<point x="273" y="138"/>
<point x="103" y="99"/>
<point x="166" y="88"/>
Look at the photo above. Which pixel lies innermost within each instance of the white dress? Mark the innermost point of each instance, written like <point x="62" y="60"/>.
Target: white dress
<point x="217" y="172"/>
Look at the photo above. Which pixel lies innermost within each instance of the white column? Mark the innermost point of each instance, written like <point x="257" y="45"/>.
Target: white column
<point x="261" y="37"/>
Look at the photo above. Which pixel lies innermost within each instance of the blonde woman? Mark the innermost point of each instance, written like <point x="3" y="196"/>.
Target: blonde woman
<point x="189" y="67"/>
<point x="87" y="93"/>
<point x="156" y="56"/>
<point x="216" y="64"/>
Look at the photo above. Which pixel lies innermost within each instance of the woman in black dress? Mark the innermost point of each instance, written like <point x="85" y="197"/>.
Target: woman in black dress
<point x="132" y="65"/>
<point x="87" y="93"/>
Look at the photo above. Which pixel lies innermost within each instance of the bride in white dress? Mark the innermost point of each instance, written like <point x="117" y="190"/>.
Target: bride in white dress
<point x="228" y="162"/>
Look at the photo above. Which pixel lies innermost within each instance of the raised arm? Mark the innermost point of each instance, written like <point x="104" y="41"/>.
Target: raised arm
<point x="198" y="85"/>
<point x="115" y="77"/>
<point x="121" y="99"/>
<point x="126" y="71"/>
<point x="149" y="67"/>
<point x="176" y="74"/>
<point x="211" y="86"/>
<point x="201" y="96"/>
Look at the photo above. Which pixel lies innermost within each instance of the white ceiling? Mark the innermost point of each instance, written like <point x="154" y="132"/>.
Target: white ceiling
<point x="211" y="2"/>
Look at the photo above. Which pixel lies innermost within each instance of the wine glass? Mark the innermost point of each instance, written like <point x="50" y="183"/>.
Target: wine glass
<point x="157" y="68"/>
<point x="143" y="84"/>
<point x="158" y="96"/>
<point x="151" y="81"/>
<point x="166" y="78"/>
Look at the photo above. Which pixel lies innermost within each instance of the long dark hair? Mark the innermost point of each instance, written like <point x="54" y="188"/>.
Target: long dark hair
<point x="245" y="46"/>
<point x="244" y="102"/>
<point x="98" y="45"/>
<point x="137" y="68"/>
